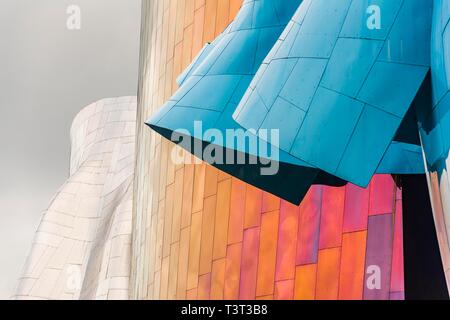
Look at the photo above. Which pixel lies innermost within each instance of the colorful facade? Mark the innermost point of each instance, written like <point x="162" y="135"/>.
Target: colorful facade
<point x="355" y="93"/>
<point x="200" y="233"/>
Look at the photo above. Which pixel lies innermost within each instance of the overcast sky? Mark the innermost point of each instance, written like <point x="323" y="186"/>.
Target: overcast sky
<point x="47" y="74"/>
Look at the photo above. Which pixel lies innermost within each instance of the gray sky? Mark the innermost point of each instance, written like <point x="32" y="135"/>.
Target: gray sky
<point x="47" y="74"/>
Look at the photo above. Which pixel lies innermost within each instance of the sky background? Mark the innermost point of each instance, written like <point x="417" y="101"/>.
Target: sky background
<point x="47" y="75"/>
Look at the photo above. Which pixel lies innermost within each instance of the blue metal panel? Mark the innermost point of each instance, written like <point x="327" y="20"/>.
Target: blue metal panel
<point x="287" y="117"/>
<point x="367" y="145"/>
<point x="343" y="74"/>
<point x="206" y="50"/>
<point x="372" y="71"/>
<point x="327" y="129"/>
<point x="215" y="99"/>
<point x="402" y="158"/>
<point x="355" y="25"/>
<point x="336" y="90"/>
<point x="216" y="82"/>
<point x="433" y="118"/>
<point x="307" y="75"/>
<point x="392" y="87"/>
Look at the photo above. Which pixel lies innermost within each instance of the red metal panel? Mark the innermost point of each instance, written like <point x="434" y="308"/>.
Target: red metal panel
<point x="331" y="217"/>
<point x="308" y="227"/>
<point x="356" y="208"/>
<point x="249" y="265"/>
<point x="287" y="241"/>
<point x="382" y="194"/>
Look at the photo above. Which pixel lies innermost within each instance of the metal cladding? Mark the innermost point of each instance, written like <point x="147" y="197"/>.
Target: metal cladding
<point x="318" y="84"/>
<point x="346" y="84"/>
<point x="82" y="247"/>
<point x="434" y="127"/>
<point x="213" y="85"/>
<point x="356" y="89"/>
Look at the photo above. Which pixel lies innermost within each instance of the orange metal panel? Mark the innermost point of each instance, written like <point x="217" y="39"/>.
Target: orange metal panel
<point x="177" y="67"/>
<point x="328" y="274"/>
<point x="351" y="281"/>
<point x="223" y="14"/>
<point x="249" y="265"/>
<point x="164" y="279"/>
<point x="172" y="31"/>
<point x="188" y="186"/>
<point x="177" y="205"/>
<point x="160" y="101"/>
<point x="179" y="21"/>
<point x="173" y="271"/>
<point x="218" y="279"/>
<point x="223" y="176"/>
<point x="235" y="5"/>
<point x="167" y="240"/>
<point x="164" y="163"/>
<point x="194" y="250"/>
<point x="270" y="202"/>
<point x="198" y="43"/>
<point x="232" y="272"/>
<point x="284" y="290"/>
<point x="253" y="207"/>
<point x="267" y="253"/>
<point x="199" y="188"/>
<point x="210" y="181"/>
<point x="204" y="287"/>
<point x="222" y="217"/>
<point x="183" y="263"/>
<point x="287" y="241"/>
<point x="206" y="252"/>
<point x="156" y="176"/>
<point x="187" y="47"/>
<point x="189" y="12"/>
<point x="305" y="282"/>
<point x="192" y="294"/>
<point x="209" y="31"/>
<point x="159" y="236"/>
<point x="164" y="39"/>
<point x="167" y="94"/>
<point x="199" y="4"/>
<point x="237" y="211"/>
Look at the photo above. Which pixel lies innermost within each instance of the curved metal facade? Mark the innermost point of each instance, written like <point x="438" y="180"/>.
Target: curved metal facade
<point x="340" y="81"/>
<point x="201" y="233"/>
<point x="434" y="127"/>
<point x="82" y="248"/>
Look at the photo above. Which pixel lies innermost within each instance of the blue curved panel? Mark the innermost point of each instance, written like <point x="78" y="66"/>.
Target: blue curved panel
<point x="214" y="84"/>
<point x="402" y="158"/>
<point x="347" y="71"/>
